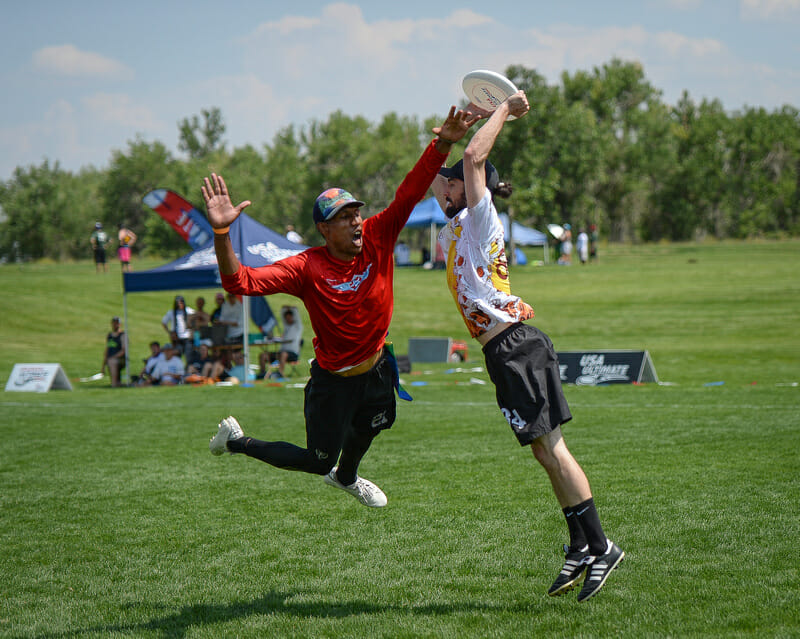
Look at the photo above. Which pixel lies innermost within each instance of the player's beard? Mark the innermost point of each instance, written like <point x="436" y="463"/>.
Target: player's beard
<point x="454" y="206"/>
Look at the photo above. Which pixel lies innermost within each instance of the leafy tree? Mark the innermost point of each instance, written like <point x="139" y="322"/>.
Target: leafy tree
<point x="130" y="176"/>
<point x="763" y="171"/>
<point x="288" y="194"/>
<point x="200" y="139"/>
<point x="620" y="96"/>
<point x="30" y="201"/>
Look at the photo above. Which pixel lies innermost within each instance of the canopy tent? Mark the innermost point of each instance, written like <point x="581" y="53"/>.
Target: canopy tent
<point x="428" y="213"/>
<point x="524" y="236"/>
<point x="254" y="244"/>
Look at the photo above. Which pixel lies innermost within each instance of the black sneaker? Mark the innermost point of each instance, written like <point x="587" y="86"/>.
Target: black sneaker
<point x="599" y="569"/>
<point x="574" y="565"/>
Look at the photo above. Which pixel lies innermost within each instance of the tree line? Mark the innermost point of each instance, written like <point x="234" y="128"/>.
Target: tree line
<point x="600" y="147"/>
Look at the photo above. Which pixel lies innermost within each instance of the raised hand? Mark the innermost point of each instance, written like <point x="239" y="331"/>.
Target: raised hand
<point x="478" y="110"/>
<point x="518" y="104"/>
<point x="455" y="125"/>
<point x="221" y="211"/>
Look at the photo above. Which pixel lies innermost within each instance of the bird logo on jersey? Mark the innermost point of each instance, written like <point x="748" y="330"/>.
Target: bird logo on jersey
<point x="353" y="284"/>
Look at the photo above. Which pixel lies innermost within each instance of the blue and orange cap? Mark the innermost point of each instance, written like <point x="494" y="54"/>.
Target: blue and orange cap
<point x="331" y="201"/>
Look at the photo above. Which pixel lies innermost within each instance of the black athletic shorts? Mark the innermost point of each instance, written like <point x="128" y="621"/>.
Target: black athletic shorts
<point x="522" y="364"/>
<point x="337" y="408"/>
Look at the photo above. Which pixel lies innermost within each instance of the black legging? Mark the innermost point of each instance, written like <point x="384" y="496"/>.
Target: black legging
<point x="291" y="457"/>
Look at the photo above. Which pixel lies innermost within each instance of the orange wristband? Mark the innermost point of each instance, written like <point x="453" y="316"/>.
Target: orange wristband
<point x="221" y="231"/>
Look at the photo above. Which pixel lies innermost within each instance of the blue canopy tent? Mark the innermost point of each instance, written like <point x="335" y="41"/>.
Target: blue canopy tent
<point x="254" y="244"/>
<point x="524" y="236"/>
<point x="428" y="213"/>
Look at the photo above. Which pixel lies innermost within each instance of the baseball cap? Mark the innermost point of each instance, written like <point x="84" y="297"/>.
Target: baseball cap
<point x="168" y="347"/>
<point x="331" y="201"/>
<point x="115" y="318"/>
<point x="457" y="171"/>
<point x="97" y="225"/>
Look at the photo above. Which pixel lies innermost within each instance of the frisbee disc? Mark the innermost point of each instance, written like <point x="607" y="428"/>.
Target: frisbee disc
<point x="556" y="230"/>
<point x="488" y="89"/>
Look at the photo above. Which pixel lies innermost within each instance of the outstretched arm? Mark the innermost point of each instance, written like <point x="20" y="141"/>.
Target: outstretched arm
<point x="481" y="144"/>
<point x="453" y="129"/>
<point x="221" y="214"/>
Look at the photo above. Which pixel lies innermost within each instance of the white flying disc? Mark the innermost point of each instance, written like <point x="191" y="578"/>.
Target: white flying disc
<point x="488" y="89"/>
<point x="556" y="230"/>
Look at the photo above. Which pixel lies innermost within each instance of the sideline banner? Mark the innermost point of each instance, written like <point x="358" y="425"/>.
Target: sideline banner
<point x="181" y="215"/>
<point x="37" y="378"/>
<point x="595" y="368"/>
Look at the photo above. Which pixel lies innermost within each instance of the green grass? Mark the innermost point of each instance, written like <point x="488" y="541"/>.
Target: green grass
<point x="117" y="522"/>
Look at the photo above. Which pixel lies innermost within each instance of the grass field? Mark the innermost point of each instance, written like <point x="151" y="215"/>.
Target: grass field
<point x="116" y="521"/>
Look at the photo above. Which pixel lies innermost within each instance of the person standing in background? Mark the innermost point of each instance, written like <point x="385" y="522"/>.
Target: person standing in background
<point x="582" y="246"/>
<point x="126" y="239"/>
<point x="99" y="239"/>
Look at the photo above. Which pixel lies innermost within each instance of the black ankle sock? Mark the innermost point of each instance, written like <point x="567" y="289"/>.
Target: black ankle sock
<point x="589" y="520"/>
<point x="577" y="539"/>
<point x="237" y="445"/>
<point x="351" y="479"/>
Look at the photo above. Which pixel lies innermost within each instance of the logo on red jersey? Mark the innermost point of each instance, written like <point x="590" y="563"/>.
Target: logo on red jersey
<point x="354" y="283"/>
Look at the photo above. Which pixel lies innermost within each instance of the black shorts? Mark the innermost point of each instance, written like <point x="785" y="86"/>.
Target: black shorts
<point x="337" y="408"/>
<point x="523" y="366"/>
<point x="99" y="256"/>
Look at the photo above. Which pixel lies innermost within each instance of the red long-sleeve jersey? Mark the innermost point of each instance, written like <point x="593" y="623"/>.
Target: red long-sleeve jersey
<point x="350" y="304"/>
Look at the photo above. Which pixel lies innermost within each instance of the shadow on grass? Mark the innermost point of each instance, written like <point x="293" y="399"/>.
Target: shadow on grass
<point x="177" y="625"/>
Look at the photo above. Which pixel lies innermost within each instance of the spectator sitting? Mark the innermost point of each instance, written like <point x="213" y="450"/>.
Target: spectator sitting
<point x="169" y="371"/>
<point x="146" y="375"/>
<point x="291" y="342"/>
<point x="114" y="353"/>
<point x="221" y="365"/>
<point x="292" y="338"/>
<point x="201" y="362"/>
<point x="235" y="372"/>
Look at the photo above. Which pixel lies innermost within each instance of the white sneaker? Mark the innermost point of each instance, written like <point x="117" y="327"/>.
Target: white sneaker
<point x="364" y="490"/>
<point x="228" y="429"/>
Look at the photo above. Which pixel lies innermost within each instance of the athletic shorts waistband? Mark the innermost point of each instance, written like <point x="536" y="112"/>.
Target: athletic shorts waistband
<point x="492" y="343"/>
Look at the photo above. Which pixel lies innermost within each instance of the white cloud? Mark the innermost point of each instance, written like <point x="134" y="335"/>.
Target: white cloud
<point x="768" y="9"/>
<point x="119" y="109"/>
<point x="70" y="61"/>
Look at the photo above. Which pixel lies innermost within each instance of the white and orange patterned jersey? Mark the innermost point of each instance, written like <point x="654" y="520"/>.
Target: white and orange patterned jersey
<point x="477" y="269"/>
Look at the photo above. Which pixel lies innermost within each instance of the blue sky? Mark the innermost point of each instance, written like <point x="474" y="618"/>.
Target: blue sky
<point x="82" y="78"/>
